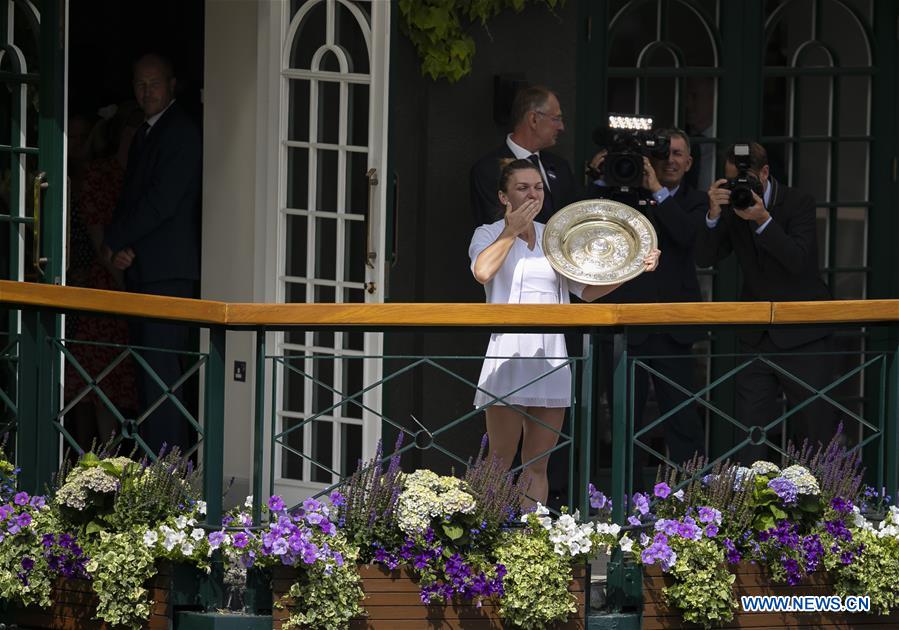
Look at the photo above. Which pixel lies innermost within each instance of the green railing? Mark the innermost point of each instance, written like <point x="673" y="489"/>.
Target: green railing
<point x="41" y="430"/>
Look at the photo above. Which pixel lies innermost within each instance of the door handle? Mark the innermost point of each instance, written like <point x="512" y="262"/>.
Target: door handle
<point x="370" y="254"/>
<point x="40" y="183"/>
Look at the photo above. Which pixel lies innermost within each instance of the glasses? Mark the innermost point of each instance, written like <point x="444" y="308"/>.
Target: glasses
<point x="555" y="119"/>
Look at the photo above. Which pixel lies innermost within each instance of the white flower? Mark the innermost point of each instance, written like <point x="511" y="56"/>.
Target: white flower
<point x="150" y="538"/>
<point x="608" y="528"/>
<point x="201" y="507"/>
<point x="197" y="534"/>
<point x="679" y="495"/>
<point x="249" y="502"/>
<point x="762" y="467"/>
<point x="187" y="548"/>
<point x="626" y="543"/>
<point x="181" y="522"/>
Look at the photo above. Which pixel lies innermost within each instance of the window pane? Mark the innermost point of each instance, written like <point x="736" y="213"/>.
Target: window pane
<point x="813" y="105"/>
<point x="291" y="464"/>
<point x="634" y="30"/>
<point x="854" y="105"/>
<point x="351" y="452"/>
<point x="357" y="107"/>
<point x="328" y="112"/>
<point x="308" y="37"/>
<point x="849" y="286"/>
<point x="298" y="178"/>
<point x="812" y="169"/>
<point x="841" y="30"/>
<point x="295" y="246"/>
<point x="325" y="248"/>
<point x="659" y="99"/>
<point x="298" y="112"/>
<point x="776" y="108"/>
<point x="687" y="31"/>
<point x="326" y="180"/>
<point x="792" y="27"/>
<point x="852" y="171"/>
<point x="321" y="450"/>
<point x="348" y="35"/>
<point x="852" y="229"/>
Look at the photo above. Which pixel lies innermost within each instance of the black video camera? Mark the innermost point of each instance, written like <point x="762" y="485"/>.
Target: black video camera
<point x="744" y="184"/>
<point x="629" y="139"/>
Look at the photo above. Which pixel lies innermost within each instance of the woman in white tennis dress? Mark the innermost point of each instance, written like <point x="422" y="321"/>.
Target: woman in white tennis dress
<point x="524" y="372"/>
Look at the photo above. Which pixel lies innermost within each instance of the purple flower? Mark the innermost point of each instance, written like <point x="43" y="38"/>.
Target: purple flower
<point x="662" y="490"/>
<point x="633" y="520"/>
<point x="216" y="538"/>
<point x="240" y="540"/>
<point x="598" y="500"/>
<point x="27" y="563"/>
<point x="641" y="503"/>
<point x="311" y="505"/>
<point x="841" y="505"/>
<point x="668" y="526"/>
<point x="24" y="519"/>
<point x="711" y="530"/>
<point x="21" y="498"/>
<point x="731" y="554"/>
<point x="275" y="503"/>
<point x="336" y="499"/>
<point x="709" y="515"/>
<point x="785" y="489"/>
<point x="37" y="502"/>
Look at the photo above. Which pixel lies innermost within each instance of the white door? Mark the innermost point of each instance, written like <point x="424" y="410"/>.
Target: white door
<point x="333" y="152"/>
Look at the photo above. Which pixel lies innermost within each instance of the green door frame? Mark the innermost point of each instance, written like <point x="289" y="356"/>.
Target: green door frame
<point x="37" y="443"/>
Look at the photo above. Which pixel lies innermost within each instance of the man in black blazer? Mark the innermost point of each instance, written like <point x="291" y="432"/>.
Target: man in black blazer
<point x="776" y="246"/>
<point x="537" y="119"/>
<point x="154" y="236"/>
<point x="676" y="212"/>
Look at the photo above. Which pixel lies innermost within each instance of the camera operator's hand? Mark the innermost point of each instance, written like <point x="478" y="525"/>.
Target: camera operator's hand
<point x="756" y="212"/>
<point x="650" y="179"/>
<point x="597" y="160"/>
<point x="718" y="198"/>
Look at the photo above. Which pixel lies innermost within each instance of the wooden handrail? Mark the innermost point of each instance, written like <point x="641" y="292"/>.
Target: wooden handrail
<point x="444" y="315"/>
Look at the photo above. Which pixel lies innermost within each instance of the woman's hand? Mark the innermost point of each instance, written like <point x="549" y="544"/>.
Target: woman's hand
<point x="651" y="262"/>
<point x="520" y="219"/>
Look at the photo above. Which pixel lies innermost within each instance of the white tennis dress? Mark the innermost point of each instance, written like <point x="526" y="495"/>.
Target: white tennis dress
<point x="514" y="360"/>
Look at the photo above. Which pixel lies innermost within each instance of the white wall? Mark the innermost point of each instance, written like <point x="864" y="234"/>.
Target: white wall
<point x="229" y="205"/>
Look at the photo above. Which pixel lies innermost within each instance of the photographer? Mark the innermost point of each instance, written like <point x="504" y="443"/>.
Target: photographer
<point x="771" y="230"/>
<point x="676" y="212"/>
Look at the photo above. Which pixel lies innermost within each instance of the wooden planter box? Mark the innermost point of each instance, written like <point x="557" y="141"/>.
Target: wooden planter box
<point x="393" y="603"/>
<point x="753" y="579"/>
<point x="75" y="606"/>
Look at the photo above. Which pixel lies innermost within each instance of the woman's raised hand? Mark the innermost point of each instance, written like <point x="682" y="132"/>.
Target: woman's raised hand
<point x="521" y="218"/>
<point x="651" y="262"/>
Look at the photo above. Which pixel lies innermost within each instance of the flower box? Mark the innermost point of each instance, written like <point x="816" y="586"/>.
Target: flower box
<point x="75" y="605"/>
<point x="752" y="579"/>
<point x="392" y="602"/>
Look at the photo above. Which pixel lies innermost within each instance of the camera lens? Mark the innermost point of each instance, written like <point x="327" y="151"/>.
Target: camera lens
<point x="741" y="198"/>
<point x="626" y="169"/>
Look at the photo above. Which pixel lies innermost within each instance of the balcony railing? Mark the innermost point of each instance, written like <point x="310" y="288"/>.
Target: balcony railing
<point x="32" y="361"/>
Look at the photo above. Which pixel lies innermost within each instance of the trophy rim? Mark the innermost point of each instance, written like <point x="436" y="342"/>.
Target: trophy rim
<point x="601" y="209"/>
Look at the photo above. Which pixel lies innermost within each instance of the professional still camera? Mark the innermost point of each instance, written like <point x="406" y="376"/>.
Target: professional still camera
<point x="744" y="184"/>
<point x="628" y="139"/>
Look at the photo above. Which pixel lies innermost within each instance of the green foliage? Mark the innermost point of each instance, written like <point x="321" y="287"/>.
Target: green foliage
<point x="875" y="573"/>
<point x="536" y="581"/>
<point x="436" y="29"/>
<point x="326" y="601"/>
<point x="120" y="565"/>
<point x="703" y="587"/>
<point x="13" y="550"/>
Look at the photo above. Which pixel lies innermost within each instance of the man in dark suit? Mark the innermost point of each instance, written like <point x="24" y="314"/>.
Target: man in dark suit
<point x="776" y="246"/>
<point x="537" y="119"/>
<point x="154" y="235"/>
<point x="676" y="211"/>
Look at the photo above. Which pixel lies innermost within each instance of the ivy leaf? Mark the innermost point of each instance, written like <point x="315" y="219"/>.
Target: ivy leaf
<point x="453" y="532"/>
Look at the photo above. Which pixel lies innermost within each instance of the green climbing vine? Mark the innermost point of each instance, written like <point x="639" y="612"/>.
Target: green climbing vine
<point x="438" y="30"/>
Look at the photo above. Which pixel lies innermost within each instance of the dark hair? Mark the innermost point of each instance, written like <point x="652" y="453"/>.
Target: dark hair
<point x="527" y="100"/>
<point x="758" y="157"/>
<point x="107" y="134"/>
<point x="161" y="60"/>
<point x="511" y="166"/>
<point x="674" y="131"/>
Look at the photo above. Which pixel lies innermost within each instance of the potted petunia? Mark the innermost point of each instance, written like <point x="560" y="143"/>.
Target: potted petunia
<point x="758" y="530"/>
